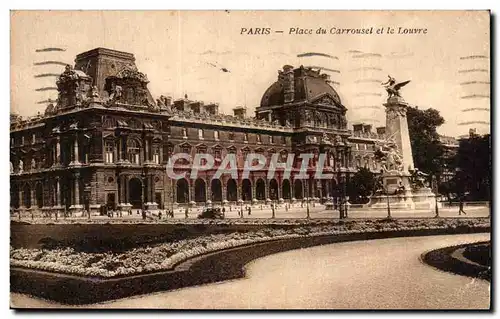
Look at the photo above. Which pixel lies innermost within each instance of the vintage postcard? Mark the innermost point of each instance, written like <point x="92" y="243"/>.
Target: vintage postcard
<point x="250" y="160"/>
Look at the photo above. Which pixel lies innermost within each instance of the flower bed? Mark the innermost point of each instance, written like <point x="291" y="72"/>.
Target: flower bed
<point x="165" y="256"/>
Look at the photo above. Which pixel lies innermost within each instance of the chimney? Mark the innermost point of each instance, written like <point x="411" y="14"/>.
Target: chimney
<point x="240" y="112"/>
<point x="357" y="127"/>
<point x="179" y="105"/>
<point x="288" y="83"/>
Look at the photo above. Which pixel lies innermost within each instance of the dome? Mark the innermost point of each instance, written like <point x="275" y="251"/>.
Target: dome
<point x="308" y="85"/>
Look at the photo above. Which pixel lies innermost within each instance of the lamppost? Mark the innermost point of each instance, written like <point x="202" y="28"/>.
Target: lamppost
<point x="273" y="204"/>
<point x="388" y="202"/>
<point x="307" y="200"/>
<point x="143" y="195"/>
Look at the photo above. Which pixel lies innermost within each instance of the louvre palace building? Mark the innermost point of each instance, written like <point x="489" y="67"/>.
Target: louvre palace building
<point x="106" y="142"/>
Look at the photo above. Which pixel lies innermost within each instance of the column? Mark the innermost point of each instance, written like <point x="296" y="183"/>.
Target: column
<point x="58" y="193"/>
<point x="191" y="191"/>
<point x="77" y="155"/>
<point x="120" y="190"/>
<point x="21" y="199"/>
<point x="280" y="187"/>
<point x="126" y="190"/>
<point x="77" y="189"/>
<point x="146" y="150"/>
<point x="119" y="153"/>
<point x="209" y="190"/>
<point x="153" y="200"/>
<point x="124" y="147"/>
<point x="224" y="189"/>
<point x="32" y="198"/>
<point x="254" y="191"/>
<point x="268" y="185"/>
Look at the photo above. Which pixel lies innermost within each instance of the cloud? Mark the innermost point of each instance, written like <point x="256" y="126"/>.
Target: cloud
<point x="400" y="54"/>
<point x="307" y="54"/>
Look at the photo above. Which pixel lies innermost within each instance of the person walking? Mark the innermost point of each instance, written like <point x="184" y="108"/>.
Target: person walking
<point x="461" y="207"/>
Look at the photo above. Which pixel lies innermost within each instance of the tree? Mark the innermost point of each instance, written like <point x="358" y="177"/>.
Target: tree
<point x="361" y="186"/>
<point x="428" y="151"/>
<point x="473" y="167"/>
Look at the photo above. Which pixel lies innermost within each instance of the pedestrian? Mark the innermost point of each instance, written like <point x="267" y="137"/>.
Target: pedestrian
<point x="461" y="207"/>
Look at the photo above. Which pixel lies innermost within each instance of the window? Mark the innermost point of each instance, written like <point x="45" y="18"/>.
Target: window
<point x="186" y="149"/>
<point x="109" y="151"/>
<point x="231" y="136"/>
<point x="283" y="140"/>
<point x="259" y="138"/>
<point x="216" y="135"/>
<point x="357" y="147"/>
<point x="200" y="134"/>
<point x="245" y="152"/>
<point x="217" y="153"/>
<point x="156" y="154"/>
<point x="133" y="152"/>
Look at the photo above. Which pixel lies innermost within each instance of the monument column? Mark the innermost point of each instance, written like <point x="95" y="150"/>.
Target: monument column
<point x="397" y="129"/>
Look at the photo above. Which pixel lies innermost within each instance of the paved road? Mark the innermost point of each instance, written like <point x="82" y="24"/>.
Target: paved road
<point x="376" y="274"/>
<point x="316" y="212"/>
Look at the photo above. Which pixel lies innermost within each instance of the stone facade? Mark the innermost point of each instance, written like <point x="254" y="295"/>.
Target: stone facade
<point x="106" y="142"/>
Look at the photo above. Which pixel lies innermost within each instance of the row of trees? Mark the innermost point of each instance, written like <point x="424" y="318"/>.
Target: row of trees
<point x="465" y="173"/>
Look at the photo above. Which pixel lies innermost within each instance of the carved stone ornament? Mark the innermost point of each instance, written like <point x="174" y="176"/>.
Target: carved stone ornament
<point x="131" y="72"/>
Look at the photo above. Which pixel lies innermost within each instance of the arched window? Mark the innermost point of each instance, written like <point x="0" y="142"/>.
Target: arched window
<point x="109" y="152"/>
<point x="156" y="154"/>
<point x="133" y="150"/>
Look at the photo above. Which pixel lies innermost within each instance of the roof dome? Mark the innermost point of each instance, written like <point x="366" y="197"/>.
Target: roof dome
<point x="308" y="84"/>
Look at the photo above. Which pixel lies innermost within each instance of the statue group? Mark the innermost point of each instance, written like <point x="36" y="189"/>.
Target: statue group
<point x="390" y="157"/>
<point x="392" y="87"/>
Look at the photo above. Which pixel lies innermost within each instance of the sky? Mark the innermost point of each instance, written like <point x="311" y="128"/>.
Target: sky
<point x="177" y="51"/>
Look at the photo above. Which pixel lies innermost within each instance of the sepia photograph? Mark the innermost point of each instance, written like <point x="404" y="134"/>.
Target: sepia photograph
<point x="250" y="160"/>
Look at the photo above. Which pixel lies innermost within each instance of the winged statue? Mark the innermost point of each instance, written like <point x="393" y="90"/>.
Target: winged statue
<point x="392" y="87"/>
